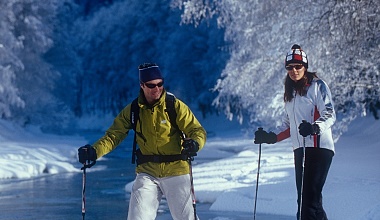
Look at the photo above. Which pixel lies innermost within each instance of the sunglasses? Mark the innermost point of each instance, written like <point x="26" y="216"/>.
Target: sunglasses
<point x="152" y="86"/>
<point x="297" y="67"/>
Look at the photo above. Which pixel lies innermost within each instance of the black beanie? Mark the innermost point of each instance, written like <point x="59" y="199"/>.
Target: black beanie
<point x="296" y="55"/>
<point x="149" y="72"/>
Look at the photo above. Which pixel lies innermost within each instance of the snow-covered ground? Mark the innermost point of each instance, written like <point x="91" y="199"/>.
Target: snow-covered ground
<point x="27" y="153"/>
<point x="225" y="170"/>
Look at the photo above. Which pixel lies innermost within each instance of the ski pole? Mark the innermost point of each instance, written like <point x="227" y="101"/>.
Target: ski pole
<point x="84" y="190"/>
<point x="302" y="180"/>
<point x="192" y="187"/>
<point x="189" y="159"/>
<point x="257" y="180"/>
<point x="303" y="175"/>
<point x="85" y="166"/>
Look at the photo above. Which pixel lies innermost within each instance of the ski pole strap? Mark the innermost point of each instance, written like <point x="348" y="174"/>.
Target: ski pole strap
<point x="89" y="165"/>
<point x="134" y="149"/>
<point x="158" y="158"/>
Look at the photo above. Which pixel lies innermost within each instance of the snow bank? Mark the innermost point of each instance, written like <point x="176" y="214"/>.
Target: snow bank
<point x="27" y="153"/>
<point x="225" y="174"/>
<point x="351" y="191"/>
<point x="225" y="170"/>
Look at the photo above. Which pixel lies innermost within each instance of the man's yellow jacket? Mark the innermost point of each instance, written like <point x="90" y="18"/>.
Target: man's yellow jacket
<point x="155" y="135"/>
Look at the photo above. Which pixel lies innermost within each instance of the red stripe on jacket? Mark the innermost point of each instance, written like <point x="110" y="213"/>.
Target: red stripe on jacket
<point x="283" y="135"/>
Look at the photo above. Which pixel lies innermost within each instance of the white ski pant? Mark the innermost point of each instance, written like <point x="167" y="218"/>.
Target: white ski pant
<point x="147" y="192"/>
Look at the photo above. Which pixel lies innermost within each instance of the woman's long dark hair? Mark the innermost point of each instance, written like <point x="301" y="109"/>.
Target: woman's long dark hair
<point x="300" y="87"/>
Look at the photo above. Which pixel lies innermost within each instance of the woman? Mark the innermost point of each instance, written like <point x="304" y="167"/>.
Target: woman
<point x="309" y="115"/>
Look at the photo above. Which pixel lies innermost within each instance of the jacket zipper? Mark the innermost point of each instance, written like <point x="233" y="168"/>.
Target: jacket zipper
<point x="294" y="118"/>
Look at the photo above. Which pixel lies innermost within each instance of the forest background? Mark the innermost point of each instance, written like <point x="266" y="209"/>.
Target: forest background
<point x="63" y="62"/>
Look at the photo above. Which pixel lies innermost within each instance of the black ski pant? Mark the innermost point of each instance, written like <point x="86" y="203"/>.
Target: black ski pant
<point x="317" y="165"/>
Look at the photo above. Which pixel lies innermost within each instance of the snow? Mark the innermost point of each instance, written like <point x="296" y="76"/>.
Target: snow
<point x="225" y="171"/>
<point x="27" y="153"/>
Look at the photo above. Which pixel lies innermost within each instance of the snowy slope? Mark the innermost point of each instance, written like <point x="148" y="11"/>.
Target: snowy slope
<point x="226" y="169"/>
<point x="30" y="153"/>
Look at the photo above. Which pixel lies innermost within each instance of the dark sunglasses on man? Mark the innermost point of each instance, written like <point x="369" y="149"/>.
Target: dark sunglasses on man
<point x="152" y="86"/>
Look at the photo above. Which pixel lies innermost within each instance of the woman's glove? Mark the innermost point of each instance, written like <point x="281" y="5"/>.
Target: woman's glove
<point x="262" y="136"/>
<point x="306" y="129"/>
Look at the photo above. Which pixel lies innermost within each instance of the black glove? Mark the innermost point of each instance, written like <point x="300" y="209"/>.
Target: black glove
<point x="86" y="153"/>
<point x="306" y="129"/>
<point x="190" y="147"/>
<point x="262" y="136"/>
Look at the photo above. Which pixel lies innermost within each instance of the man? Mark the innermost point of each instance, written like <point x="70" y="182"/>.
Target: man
<point x="162" y="168"/>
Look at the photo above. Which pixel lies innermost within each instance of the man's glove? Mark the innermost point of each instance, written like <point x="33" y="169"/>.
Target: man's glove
<point x="190" y="147"/>
<point x="262" y="136"/>
<point x="306" y="129"/>
<point x="86" y="153"/>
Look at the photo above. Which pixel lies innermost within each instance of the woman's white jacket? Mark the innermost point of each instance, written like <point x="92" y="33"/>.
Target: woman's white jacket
<point x="315" y="107"/>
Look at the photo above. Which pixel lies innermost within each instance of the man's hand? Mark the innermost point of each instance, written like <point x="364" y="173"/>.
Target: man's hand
<point x="190" y="147"/>
<point x="86" y="153"/>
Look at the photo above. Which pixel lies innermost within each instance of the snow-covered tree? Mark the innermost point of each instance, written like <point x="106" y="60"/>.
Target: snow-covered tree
<point x="28" y="80"/>
<point x="341" y="39"/>
<point x="113" y="40"/>
<point x="9" y="63"/>
<point x="81" y="56"/>
<point x="9" y="95"/>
